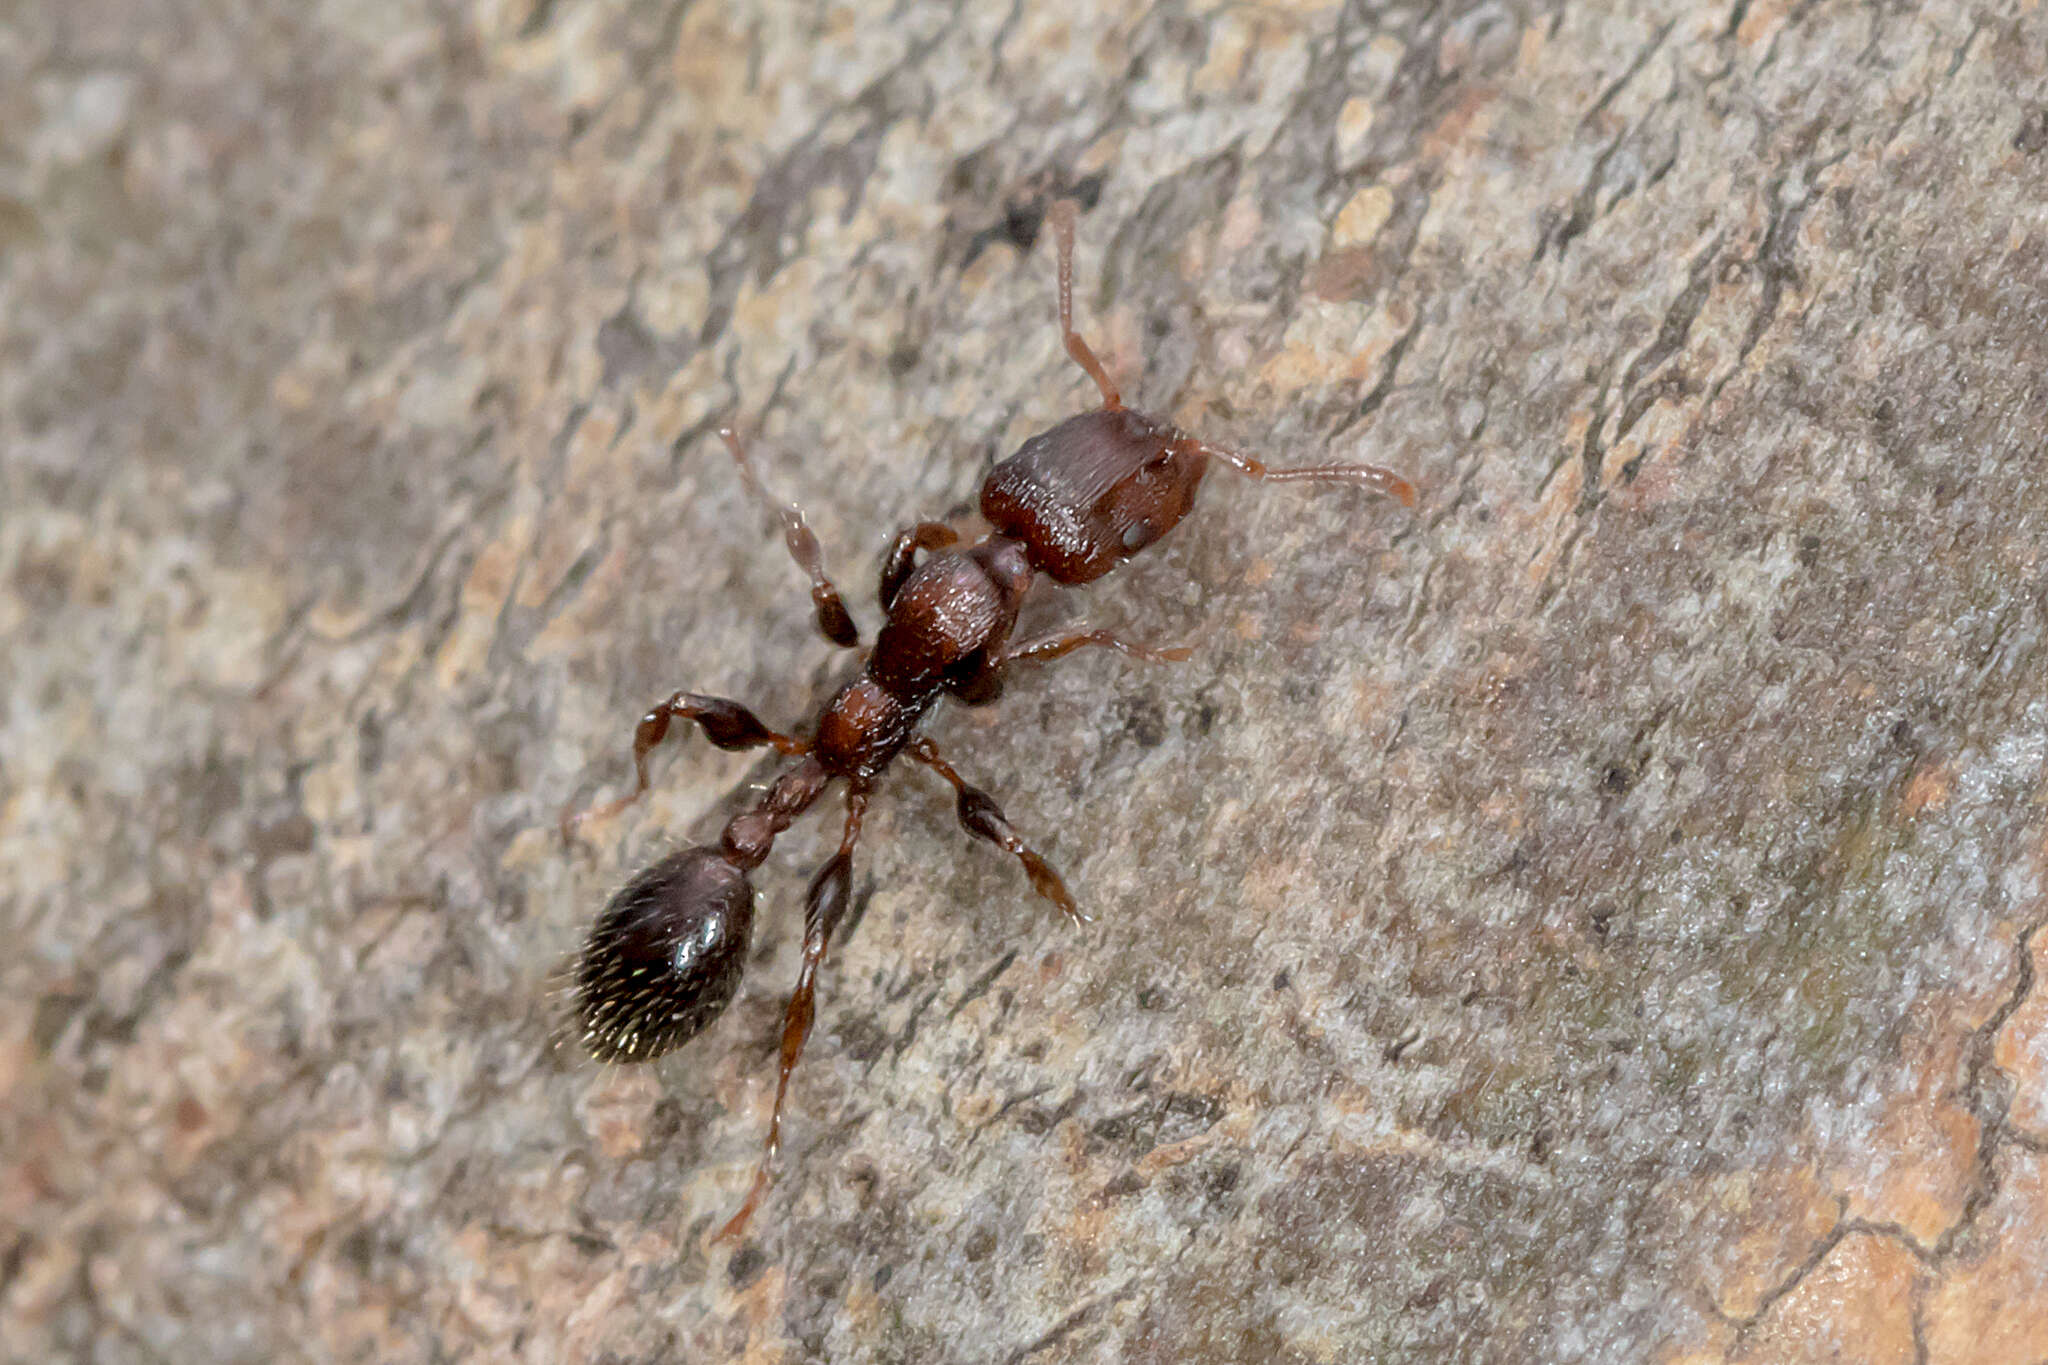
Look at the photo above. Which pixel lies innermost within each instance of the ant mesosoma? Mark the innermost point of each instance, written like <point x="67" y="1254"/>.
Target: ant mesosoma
<point x="665" y="955"/>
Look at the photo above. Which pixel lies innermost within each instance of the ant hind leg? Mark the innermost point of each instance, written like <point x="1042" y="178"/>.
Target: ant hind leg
<point x="727" y="724"/>
<point x="825" y="905"/>
<point x="983" y="818"/>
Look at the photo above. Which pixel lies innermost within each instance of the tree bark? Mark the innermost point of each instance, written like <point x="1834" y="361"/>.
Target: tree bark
<point x="1596" y="916"/>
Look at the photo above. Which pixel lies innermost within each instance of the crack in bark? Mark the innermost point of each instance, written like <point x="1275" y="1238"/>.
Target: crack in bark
<point x="1384" y="385"/>
<point x="1059" y="1330"/>
<point x="1990" y="1113"/>
<point x="1990" y="1110"/>
<point x="980" y="985"/>
<point x="1635" y="68"/>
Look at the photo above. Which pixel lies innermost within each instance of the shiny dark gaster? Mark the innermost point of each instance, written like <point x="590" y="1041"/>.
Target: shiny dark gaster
<point x="675" y="938"/>
<point x="665" y="955"/>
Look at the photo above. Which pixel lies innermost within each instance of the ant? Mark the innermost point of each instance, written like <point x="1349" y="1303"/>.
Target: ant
<point x="664" y="957"/>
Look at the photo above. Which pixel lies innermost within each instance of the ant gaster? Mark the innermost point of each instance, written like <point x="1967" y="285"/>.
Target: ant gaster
<point x="665" y="955"/>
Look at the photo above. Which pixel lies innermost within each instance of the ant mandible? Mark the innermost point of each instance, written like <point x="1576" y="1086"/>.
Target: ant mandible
<point x="665" y="955"/>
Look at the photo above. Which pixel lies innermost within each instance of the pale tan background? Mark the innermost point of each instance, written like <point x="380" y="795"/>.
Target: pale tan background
<point x="1594" y="918"/>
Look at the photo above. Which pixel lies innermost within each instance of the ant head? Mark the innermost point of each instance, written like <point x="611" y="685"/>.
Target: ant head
<point x="664" y="958"/>
<point x="1096" y="489"/>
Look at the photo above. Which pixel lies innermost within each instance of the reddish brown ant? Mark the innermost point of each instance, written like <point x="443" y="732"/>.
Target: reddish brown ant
<point x="665" y="955"/>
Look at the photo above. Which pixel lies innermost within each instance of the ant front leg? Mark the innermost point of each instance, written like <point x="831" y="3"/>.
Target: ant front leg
<point x="727" y="724"/>
<point x="983" y="818"/>
<point x="902" y="557"/>
<point x="825" y="905"/>
<point x="834" y="623"/>
<point x="1062" y="215"/>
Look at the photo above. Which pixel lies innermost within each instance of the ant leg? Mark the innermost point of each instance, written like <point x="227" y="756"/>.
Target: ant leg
<point x="1362" y="475"/>
<point x="983" y="818"/>
<point x="1049" y="647"/>
<point x="824" y="906"/>
<point x="985" y="683"/>
<point x="833" y="621"/>
<point x="727" y="724"/>
<point x="902" y="556"/>
<point x="1062" y="215"/>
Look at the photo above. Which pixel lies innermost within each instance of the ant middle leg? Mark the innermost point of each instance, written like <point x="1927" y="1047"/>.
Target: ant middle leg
<point x="727" y="724"/>
<point x="902" y="557"/>
<point x="983" y="818"/>
<point x="1049" y="647"/>
<point x="834" y="622"/>
<point x="1359" y="475"/>
<point x="824" y="906"/>
<point x="983" y="683"/>
<point x="1062" y="216"/>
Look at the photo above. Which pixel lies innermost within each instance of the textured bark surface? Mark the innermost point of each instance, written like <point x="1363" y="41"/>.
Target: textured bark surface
<point x="1596" y="917"/>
